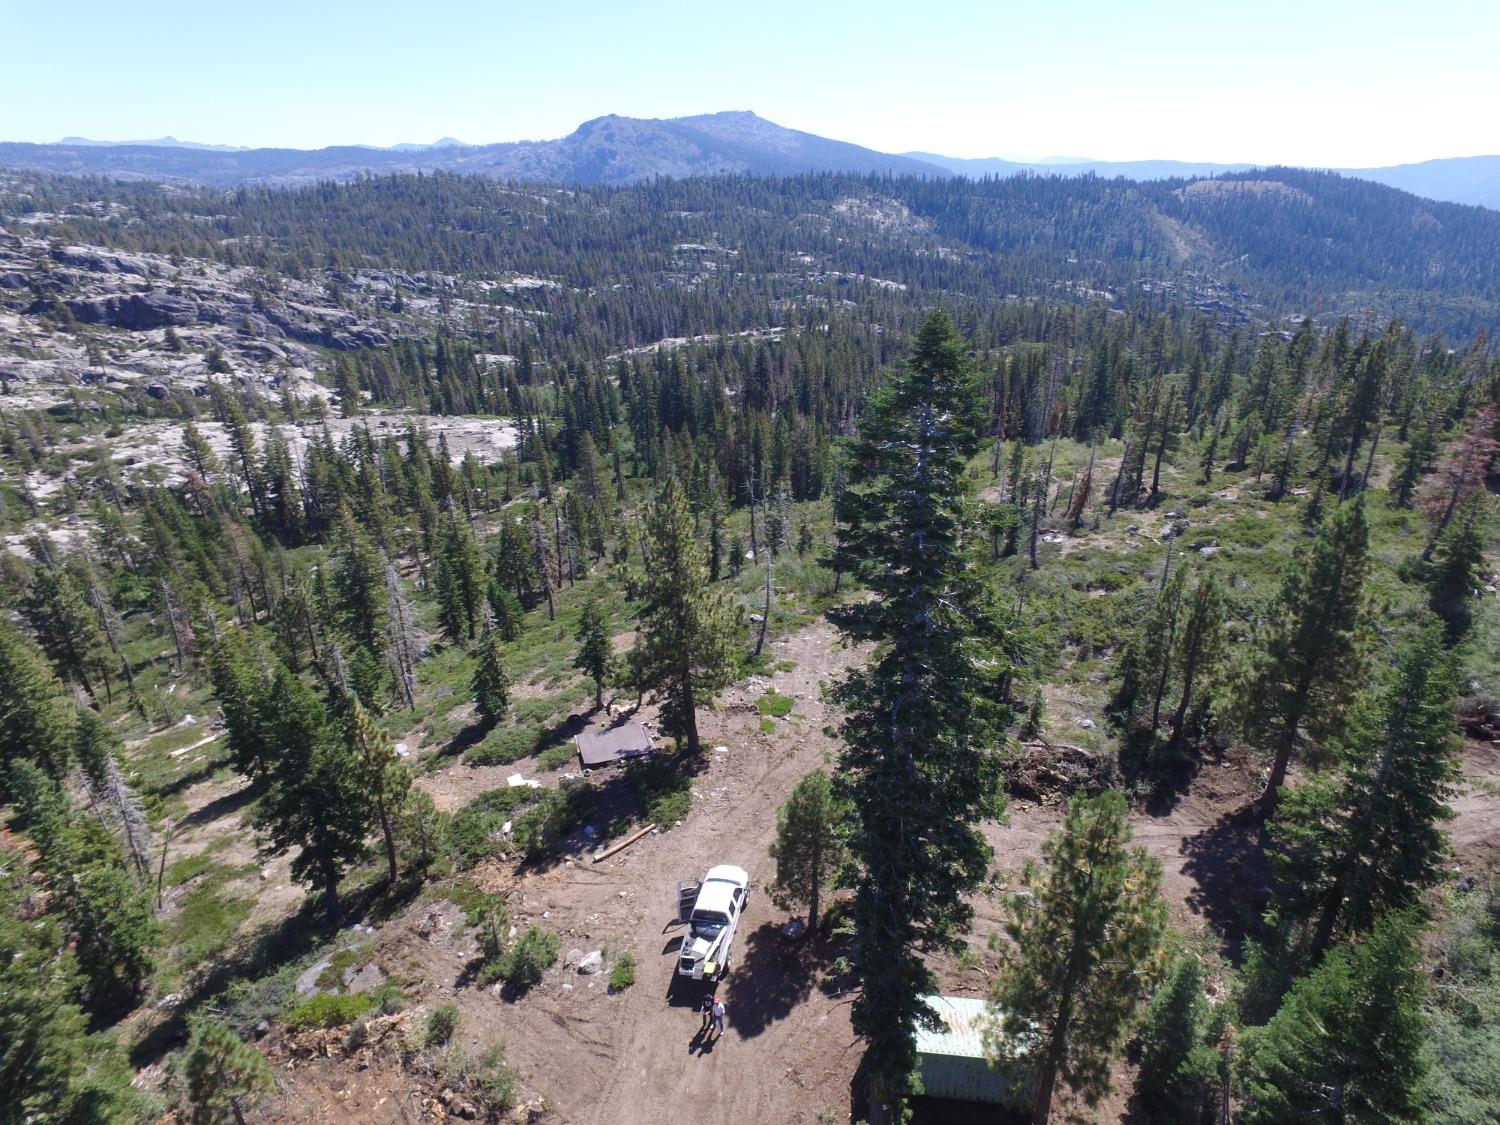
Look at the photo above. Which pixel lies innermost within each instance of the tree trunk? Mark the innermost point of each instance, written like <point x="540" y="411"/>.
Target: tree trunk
<point x="817" y="883"/>
<point x="1180" y="716"/>
<point x="390" y="838"/>
<point x="331" y="893"/>
<point x="765" y="617"/>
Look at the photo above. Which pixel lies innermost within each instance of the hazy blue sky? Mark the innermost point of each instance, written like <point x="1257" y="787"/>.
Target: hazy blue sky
<point x="1330" y="82"/>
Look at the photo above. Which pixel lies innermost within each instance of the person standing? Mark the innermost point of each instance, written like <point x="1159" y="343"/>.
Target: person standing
<point x="707" y="1008"/>
<point x="717" y="1023"/>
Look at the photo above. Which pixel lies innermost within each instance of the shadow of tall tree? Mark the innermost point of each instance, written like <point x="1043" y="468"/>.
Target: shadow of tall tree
<point x="1228" y="862"/>
<point x="773" y="975"/>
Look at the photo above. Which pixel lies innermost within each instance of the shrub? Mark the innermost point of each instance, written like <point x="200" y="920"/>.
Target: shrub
<point x="558" y="812"/>
<point x="665" y="792"/>
<point x="504" y="747"/>
<point x="622" y="976"/>
<point x="523" y="964"/>
<point x="556" y="757"/>
<point x="441" y="1026"/>
<point x="481" y="1076"/>
<point x="326" y="1010"/>
<point x="474" y="832"/>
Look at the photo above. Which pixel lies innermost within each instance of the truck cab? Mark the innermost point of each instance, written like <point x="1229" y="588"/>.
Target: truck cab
<point x="711" y="910"/>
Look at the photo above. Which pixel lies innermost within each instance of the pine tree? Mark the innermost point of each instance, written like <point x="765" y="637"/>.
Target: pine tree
<point x="385" y="778"/>
<point x="1456" y="566"/>
<point x="809" y="848"/>
<point x="359" y="587"/>
<point x="108" y="914"/>
<point x="1199" y="647"/>
<point x="490" y="685"/>
<point x="219" y="1070"/>
<point x="459" y="581"/>
<point x="67" y="628"/>
<point x="1310" y="663"/>
<point x="1346" y="1044"/>
<point x="314" y="800"/>
<point x="36" y="715"/>
<point x="1086" y="950"/>
<point x="687" y="627"/>
<point x="1177" y="1066"/>
<point x="923" y="717"/>
<point x="594" y="650"/>
<point x="1367" y="839"/>
<point x="51" y="1069"/>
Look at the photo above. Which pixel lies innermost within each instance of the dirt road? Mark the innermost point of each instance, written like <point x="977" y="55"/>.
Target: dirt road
<point x="789" y="1054"/>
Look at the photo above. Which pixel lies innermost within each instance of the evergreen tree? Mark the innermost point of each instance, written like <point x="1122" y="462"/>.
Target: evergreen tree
<point x="1347" y="1043"/>
<point x="1456" y="566"/>
<point x="1086" y="950"/>
<point x="1177" y="1066"/>
<point x="490" y="685"/>
<point x="459" y="581"/>
<point x="359" y="587"/>
<point x="1310" y="662"/>
<point x="687" y="626"/>
<point x="809" y="847"/>
<point x="314" y="800"/>
<point x="67" y="628"/>
<point x="52" y="1071"/>
<point x="385" y="778"/>
<point x="108" y="915"/>
<point x="1367" y="839"/>
<point x="219" y="1070"/>
<point x="922" y="717"/>
<point x="1198" y="648"/>
<point x="594" y="650"/>
<point x="36" y="716"/>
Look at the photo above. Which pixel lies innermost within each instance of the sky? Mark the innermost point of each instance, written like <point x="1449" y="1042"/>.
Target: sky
<point x="1334" y="83"/>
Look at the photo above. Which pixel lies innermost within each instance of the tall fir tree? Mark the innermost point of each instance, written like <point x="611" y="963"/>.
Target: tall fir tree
<point x="924" y="717"/>
<point x="36" y="715"/>
<point x="1366" y="839"/>
<point x="1346" y="1045"/>
<point x="490" y="685"/>
<point x="688" y="628"/>
<point x="1309" y="664"/>
<point x="594" y="652"/>
<point x="108" y="913"/>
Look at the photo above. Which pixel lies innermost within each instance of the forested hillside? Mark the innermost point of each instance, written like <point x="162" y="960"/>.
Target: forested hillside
<point x="720" y="253"/>
<point x="1073" y="594"/>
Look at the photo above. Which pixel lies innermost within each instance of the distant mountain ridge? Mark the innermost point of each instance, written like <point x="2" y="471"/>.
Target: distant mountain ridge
<point x="623" y="150"/>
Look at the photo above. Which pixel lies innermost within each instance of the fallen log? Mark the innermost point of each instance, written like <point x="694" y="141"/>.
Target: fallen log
<point x="622" y="845"/>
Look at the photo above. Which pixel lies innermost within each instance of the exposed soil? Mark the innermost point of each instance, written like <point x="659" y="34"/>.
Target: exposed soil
<point x="789" y="1054"/>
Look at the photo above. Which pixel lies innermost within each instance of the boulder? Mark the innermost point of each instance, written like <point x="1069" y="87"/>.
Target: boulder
<point x="100" y="261"/>
<point x="152" y="309"/>
<point x="591" y="964"/>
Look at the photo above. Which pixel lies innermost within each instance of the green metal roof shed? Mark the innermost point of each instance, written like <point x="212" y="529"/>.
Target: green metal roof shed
<point x="951" y="1060"/>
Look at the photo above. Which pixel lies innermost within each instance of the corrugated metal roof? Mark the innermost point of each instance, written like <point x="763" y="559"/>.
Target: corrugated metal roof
<point x="951" y="1060"/>
<point x="614" y="744"/>
<point x="964" y="1021"/>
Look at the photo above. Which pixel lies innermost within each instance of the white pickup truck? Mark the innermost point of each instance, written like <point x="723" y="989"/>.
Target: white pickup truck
<point x="711" y="910"/>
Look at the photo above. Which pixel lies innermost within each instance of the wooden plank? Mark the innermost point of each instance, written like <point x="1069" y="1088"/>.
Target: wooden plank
<point x="622" y="845"/>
